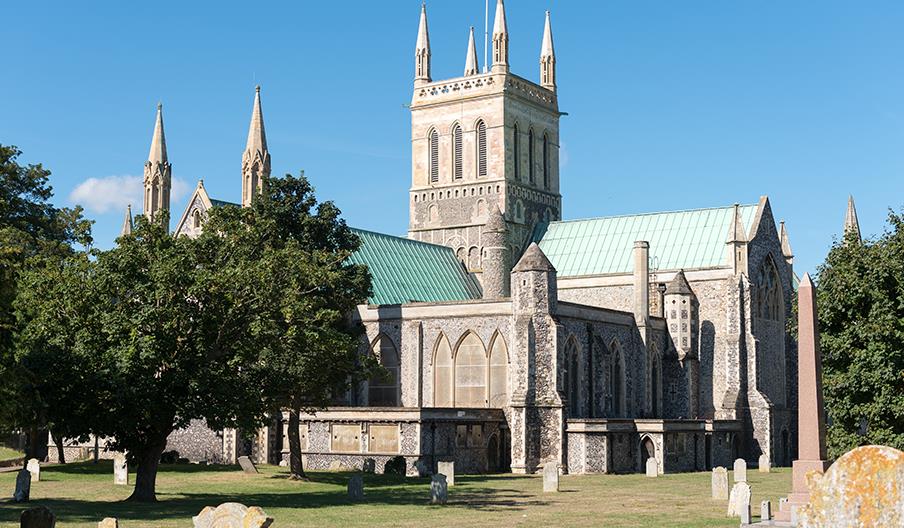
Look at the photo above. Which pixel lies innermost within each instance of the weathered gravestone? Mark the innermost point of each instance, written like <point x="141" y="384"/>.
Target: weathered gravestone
<point x="720" y="483"/>
<point x="23" y="486"/>
<point x="652" y="467"/>
<point x="765" y="511"/>
<point x="439" y="490"/>
<point x="745" y="514"/>
<point x="230" y="515"/>
<point x="120" y="470"/>
<point x="369" y="466"/>
<point x="865" y="487"/>
<point x="109" y="522"/>
<point x="764" y="464"/>
<point x="356" y="488"/>
<point x="34" y="467"/>
<point x="447" y="469"/>
<point x="247" y="466"/>
<point x="551" y="477"/>
<point x="740" y="470"/>
<point x="40" y="517"/>
<point x="739" y="499"/>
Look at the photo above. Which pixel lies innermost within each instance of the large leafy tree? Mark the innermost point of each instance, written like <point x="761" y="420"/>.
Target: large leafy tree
<point x="299" y="248"/>
<point x="861" y="316"/>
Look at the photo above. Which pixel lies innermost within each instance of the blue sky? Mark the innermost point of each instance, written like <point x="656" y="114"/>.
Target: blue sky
<point x="672" y="105"/>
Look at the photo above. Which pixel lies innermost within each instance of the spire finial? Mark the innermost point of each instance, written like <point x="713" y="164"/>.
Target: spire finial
<point x="471" y="67"/>
<point x="422" y="51"/>
<point x="500" y="40"/>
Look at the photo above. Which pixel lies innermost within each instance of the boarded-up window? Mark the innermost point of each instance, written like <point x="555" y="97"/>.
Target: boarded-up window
<point x="471" y="373"/>
<point x="346" y="438"/>
<point x="384" y="392"/>
<point x="434" y="156"/>
<point x="442" y="374"/>
<point x="461" y="436"/>
<point x="481" y="149"/>
<point x="384" y="439"/>
<point x="456" y="152"/>
<point x="498" y="373"/>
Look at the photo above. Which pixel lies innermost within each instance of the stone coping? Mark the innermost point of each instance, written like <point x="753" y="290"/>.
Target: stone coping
<point x="647" y="425"/>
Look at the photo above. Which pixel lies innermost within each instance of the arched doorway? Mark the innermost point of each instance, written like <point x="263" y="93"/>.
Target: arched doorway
<point x="647" y="451"/>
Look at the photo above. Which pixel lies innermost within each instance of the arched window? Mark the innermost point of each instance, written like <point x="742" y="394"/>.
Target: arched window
<point x="196" y="219"/>
<point x="530" y="155"/>
<point x="384" y="392"/>
<point x="481" y="149"/>
<point x="456" y="152"/>
<point x="443" y="373"/>
<point x="498" y="377"/>
<point x="470" y="373"/>
<point x="769" y="297"/>
<point x="616" y="378"/>
<point x="572" y="377"/>
<point x="545" y="161"/>
<point x="516" y="147"/>
<point x="473" y="258"/>
<point x="655" y="380"/>
<point x="433" y="155"/>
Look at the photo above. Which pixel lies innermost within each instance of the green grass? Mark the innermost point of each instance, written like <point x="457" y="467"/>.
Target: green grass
<point x="83" y="494"/>
<point x="9" y="454"/>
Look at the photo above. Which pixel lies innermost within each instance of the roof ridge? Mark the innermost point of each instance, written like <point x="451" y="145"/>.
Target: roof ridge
<point x="650" y="213"/>
<point x="403" y="239"/>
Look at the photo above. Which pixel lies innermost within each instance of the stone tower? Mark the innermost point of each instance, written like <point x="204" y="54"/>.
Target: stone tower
<point x="256" y="158"/>
<point x="479" y="141"/>
<point x="496" y="263"/>
<point x="681" y="314"/>
<point x="158" y="173"/>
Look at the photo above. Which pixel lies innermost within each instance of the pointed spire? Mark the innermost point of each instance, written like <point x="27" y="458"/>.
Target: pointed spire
<point x="786" y="243"/>
<point x="257" y="138"/>
<point x="737" y="233"/>
<point x="422" y="52"/>
<point x="679" y="285"/>
<point x="737" y="242"/>
<point x="495" y="220"/>
<point x="256" y="158"/>
<point x="534" y="260"/>
<point x="158" y="172"/>
<point x="158" y="142"/>
<point x="851" y="223"/>
<point x="471" y="67"/>
<point x="127" y="222"/>
<point x="500" y="40"/>
<point x="547" y="58"/>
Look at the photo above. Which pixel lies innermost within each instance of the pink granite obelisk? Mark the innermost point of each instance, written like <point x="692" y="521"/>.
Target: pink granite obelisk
<point x="811" y="426"/>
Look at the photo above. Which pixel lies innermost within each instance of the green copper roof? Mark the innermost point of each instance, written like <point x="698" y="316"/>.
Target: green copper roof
<point x="678" y="240"/>
<point x="404" y="270"/>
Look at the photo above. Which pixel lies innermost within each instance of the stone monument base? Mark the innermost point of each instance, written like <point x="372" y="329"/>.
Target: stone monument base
<point x="800" y="492"/>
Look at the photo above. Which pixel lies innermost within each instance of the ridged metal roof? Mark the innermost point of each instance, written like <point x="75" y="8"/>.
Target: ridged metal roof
<point x="691" y="239"/>
<point x="404" y="270"/>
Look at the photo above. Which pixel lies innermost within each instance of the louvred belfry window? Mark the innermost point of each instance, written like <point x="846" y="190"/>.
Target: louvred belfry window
<point x="434" y="157"/>
<point x="546" y="162"/>
<point x="456" y="151"/>
<point x="481" y="149"/>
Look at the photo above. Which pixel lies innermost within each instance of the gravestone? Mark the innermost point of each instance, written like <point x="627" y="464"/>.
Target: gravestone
<point x="120" y="470"/>
<point x="551" y="477"/>
<point x="247" y="466"/>
<point x="356" y="488"/>
<point x="740" y="470"/>
<point x="739" y="499"/>
<point x="422" y="468"/>
<point x="232" y="514"/>
<point x="23" y="486"/>
<point x="34" y="467"/>
<point x="720" y="483"/>
<point x="652" y="468"/>
<point x="447" y="469"/>
<point x="369" y="466"/>
<point x="109" y="522"/>
<point x="765" y="465"/>
<point x="439" y="490"/>
<point x="40" y="517"/>
<point x="765" y="511"/>
<point x="745" y="514"/>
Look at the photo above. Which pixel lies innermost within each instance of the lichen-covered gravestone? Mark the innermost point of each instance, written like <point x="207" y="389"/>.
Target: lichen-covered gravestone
<point x="23" y="486"/>
<point x="447" y="469"/>
<point x="764" y="464"/>
<point x="551" y="477"/>
<point x="40" y="517"/>
<point x="740" y="470"/>
<point x="356" y="488"/>
<point x="34" y="467"/>
<point x="120" y="470"/>
<point x="247" y="466"/>
<point x="652" y="467"/>
<point x="232" y="514"/>
<point x="439" y="490"/>
<point x="720" y="483"/>
<point x="109" y="522"/>
<point x="739" y="499"/>
<point x="369" y="466"/>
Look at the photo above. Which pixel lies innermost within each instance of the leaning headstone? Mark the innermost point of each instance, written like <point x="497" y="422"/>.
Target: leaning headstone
<point x="369" y="466"/>
<point x="740" y="470"/>
<point x="738" y="499"/>
<point x="356" y="488"/>
<point x="439" y="490"/>
<point x="652" y="467"/>
<point x="765" y="511"/>
<point x="23" y="486"/>
<point x="447" y="469"/>
<point x="40" y="517"/>
<point x="34" y="467"/>
<point x="720" y="483"/>
<point x="232" y="514"/>
<point x="120" y="470"/>
<point x="765" y="465"/>
<point x="247" y="466"/>
<point x="551" y="477"/>
<point x="109" y="522"/>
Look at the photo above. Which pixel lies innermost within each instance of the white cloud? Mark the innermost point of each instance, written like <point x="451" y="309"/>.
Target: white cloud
<point x="114" y="193"/>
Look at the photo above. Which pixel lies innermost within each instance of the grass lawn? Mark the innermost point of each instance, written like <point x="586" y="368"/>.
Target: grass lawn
<point x="83" y="494"/>
<point x="9" y="454"/>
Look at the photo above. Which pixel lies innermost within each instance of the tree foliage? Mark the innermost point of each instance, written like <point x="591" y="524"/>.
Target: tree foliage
<point x="861" y="319"/>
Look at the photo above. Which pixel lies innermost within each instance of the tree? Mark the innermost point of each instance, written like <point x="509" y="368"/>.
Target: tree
<point x="861" y="319"/>
<point x="299" y="250"/>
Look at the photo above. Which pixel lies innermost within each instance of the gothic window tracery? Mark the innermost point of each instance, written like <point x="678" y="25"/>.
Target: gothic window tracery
<point x="433" y="155"/>
<point x="572" y="376"/>
<point x="470" y="372"/>
<point x="530" y="155"/>
<point x="498" y="377"/>
<point x="384" y="392"/>
<point x="615" y="397"/>
<point x="481" y="149"/>
<point x="545" y="161"/>
<point x="769" y="301"/>
<point x="456" y="152"/>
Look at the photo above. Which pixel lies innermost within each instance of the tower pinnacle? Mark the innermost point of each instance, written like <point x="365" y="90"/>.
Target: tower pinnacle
<point x="500" y="40"/>
<point x="547" y="58"/>
<point x="471" y="67"/>
<point x="157" y="172"/>
<point x="256" y="158"/>
<point x="851" y="223"/>
<point x="127" y="222"/>
<point x="422" y="52"/>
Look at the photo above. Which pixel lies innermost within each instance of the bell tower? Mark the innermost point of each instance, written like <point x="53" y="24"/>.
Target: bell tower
<point x="480" y="141"/>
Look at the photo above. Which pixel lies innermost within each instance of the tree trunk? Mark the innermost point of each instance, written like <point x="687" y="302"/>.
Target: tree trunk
<point x="61" y="453"/>
<point x="146" y="474"/>
<point x="296" y="468"/>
